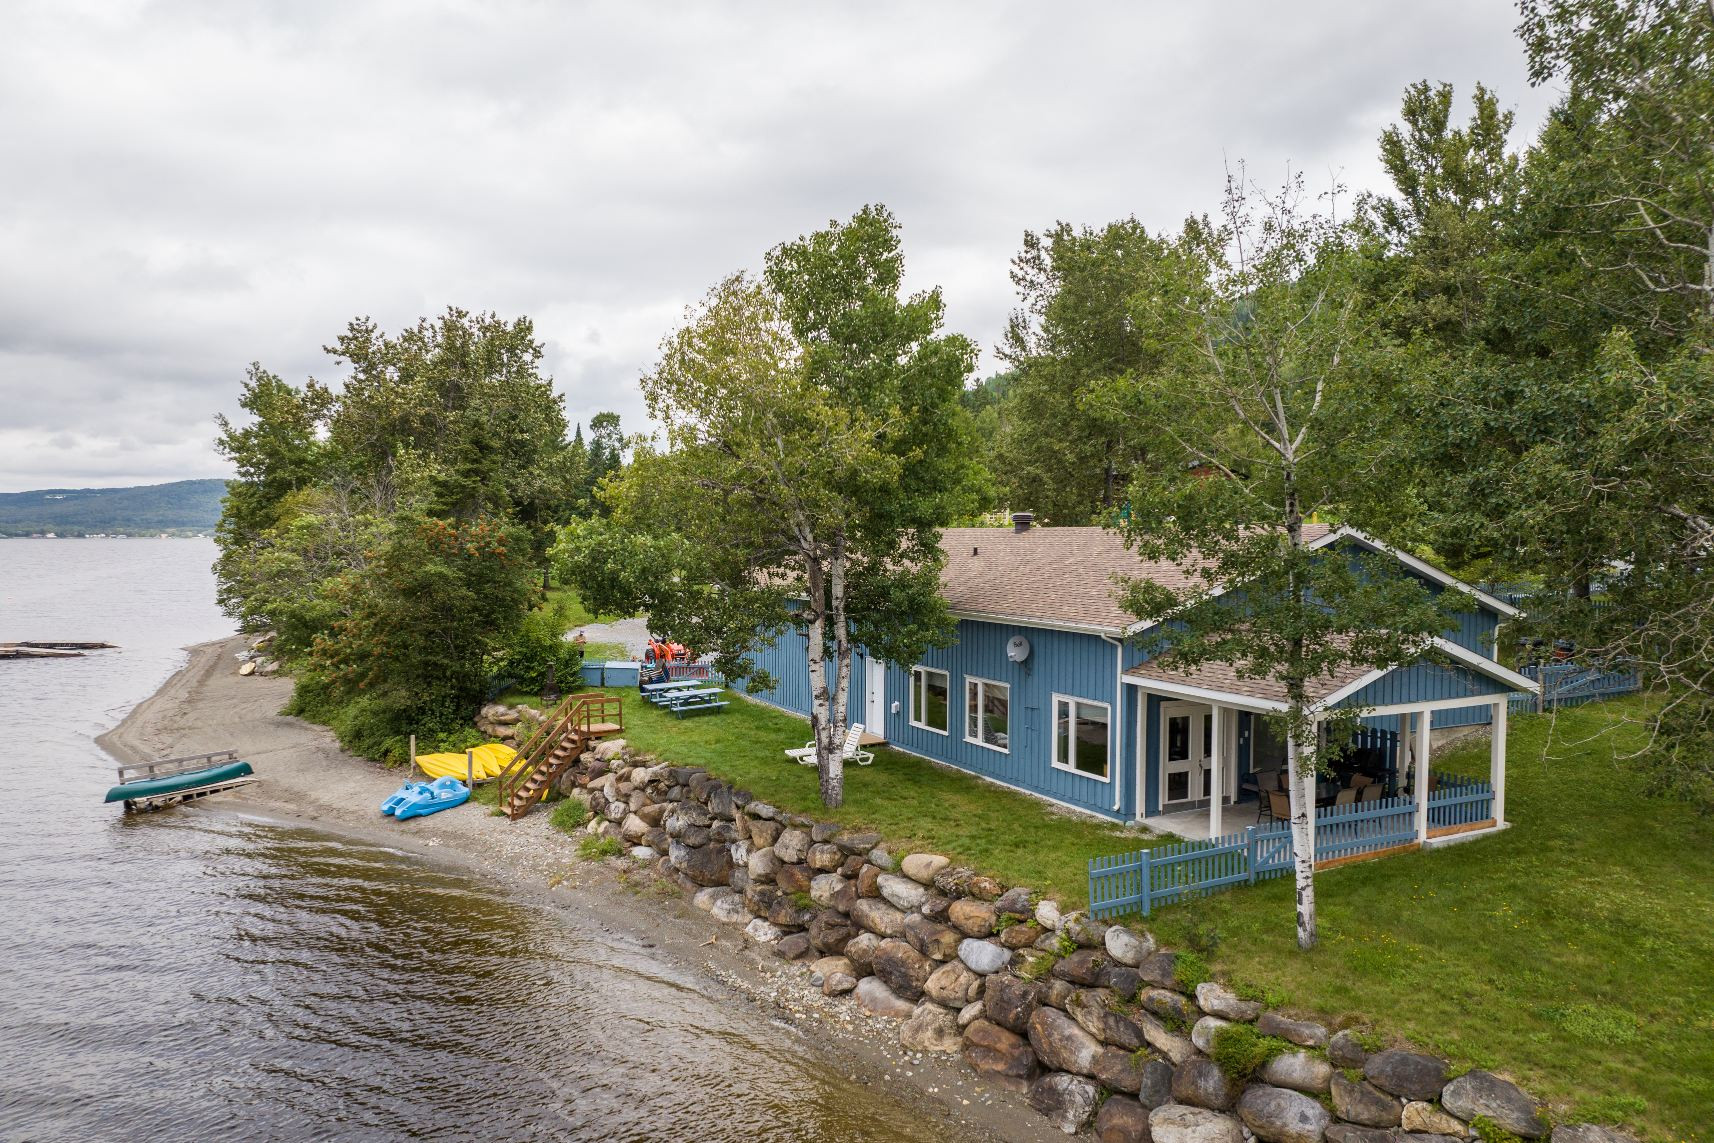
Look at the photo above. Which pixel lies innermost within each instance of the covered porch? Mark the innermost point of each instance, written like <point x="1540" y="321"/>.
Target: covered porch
<point x="1210" y="761"/>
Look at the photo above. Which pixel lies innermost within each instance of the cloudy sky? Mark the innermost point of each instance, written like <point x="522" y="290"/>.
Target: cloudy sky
<point x="190" y="186"/>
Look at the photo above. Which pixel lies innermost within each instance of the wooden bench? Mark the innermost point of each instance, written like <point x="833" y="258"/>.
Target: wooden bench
<point x="692" y="707"/>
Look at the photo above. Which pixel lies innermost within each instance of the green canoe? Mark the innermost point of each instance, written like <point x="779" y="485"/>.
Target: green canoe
<point x="178" y="783"/>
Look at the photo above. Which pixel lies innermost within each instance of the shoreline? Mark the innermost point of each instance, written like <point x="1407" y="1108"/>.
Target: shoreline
<point x="308" y="781"/>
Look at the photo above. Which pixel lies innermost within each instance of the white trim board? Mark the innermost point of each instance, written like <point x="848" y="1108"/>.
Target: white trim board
<point x="1053" y="736"/>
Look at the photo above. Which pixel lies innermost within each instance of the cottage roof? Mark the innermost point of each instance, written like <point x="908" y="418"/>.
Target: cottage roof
<point x="1065" y="577"/>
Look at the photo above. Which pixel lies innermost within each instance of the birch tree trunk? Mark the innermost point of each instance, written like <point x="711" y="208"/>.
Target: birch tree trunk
<point x="821" y="722"/>
<point x="1302" y="767"/>
<point x="832" y="762"/>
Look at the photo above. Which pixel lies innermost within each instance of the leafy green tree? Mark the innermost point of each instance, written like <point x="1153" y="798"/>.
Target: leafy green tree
<point x="1271" y="379"/>
<point x="814" y="445"/>
<point x="1064" y="451"/>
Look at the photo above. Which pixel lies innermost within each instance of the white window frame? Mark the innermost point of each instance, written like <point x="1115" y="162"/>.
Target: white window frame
<point x="920" y="669"/>
<point x="985" y="683"/>
<point x="1053" y="737"/>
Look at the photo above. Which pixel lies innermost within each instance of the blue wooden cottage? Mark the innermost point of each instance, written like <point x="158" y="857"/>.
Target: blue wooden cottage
<point x="1048" y="690"/>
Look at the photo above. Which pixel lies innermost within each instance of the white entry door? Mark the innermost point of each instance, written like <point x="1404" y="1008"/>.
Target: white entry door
<point x="875" y="696"/>
<point x="1185" y="740"/>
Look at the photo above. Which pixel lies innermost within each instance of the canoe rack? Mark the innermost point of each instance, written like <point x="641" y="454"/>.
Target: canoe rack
<point x="167" y="767"/>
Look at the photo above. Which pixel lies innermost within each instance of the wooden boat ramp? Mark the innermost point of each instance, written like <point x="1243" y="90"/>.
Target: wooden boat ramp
<point x="150" y="785"/>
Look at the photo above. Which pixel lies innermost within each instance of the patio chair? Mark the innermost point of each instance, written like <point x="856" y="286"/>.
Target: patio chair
<point x="849" y="752"/>
<point x="1261" y="782"/>
<point x="1358" y="781"/>
<point x="1277" y="805"/>
<point x="1371" y="793"/>
<point x="1345" y="797"/>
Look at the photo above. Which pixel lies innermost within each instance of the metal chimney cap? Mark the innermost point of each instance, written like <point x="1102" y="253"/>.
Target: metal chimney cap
<point x="1021" y="521"/>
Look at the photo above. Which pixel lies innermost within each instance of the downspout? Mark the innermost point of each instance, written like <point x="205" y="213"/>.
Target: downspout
<point x="1115" y="742"/>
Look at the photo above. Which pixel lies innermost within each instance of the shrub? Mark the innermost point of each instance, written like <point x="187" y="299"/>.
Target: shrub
<point x="1241" y="1051"/>
<point x="538" y="645"/>
<point x="570" y="815"/>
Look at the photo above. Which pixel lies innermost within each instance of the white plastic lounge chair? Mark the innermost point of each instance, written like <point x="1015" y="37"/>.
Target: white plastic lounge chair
<point x="849" y="752"/>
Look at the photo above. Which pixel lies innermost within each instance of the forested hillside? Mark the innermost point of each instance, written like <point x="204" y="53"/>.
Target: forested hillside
<point x="181" y="506"/>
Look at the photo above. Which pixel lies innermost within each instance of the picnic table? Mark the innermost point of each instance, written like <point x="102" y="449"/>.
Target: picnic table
<point x="682" y="703"/>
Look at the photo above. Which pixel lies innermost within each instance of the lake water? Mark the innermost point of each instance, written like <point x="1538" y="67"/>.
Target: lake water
<point x="193" y="975"/>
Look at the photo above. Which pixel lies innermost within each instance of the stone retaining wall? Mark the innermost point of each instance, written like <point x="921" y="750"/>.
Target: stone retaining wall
<point x="1091" y="1020"/>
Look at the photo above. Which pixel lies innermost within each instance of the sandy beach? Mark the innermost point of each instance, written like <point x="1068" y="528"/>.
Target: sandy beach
<point x="307" y="780"/>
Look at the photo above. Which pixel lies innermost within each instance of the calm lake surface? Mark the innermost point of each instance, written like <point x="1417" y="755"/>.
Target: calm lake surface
<point x="192" y="975"/>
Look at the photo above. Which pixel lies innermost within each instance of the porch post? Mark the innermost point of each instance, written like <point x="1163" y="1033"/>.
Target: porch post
<point x="1400" y="752"/>
<point x="1497" y="761"/>
<point x="1217" y="768"/>
<point x="1425" y="720"/>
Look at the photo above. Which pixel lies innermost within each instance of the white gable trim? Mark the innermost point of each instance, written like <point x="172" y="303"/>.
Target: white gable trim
<point x="1421" y="567"/>
<point x="1461" y="655"/>
<point x="1205" y="694"/>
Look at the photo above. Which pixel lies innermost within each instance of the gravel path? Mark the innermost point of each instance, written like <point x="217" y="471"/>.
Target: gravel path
<point x="633" y="633"/>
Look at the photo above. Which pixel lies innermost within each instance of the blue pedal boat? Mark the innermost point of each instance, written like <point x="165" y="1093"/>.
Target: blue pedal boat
<point x="417" y="799"/>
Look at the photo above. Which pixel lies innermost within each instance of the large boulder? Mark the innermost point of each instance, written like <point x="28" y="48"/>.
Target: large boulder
<point x="824" y="857"/>
<point x="1010" y="1001"/>
<point x="1412" y="1075"/>
<point x="1122" y="1120"/>
<point x="763" y="865"/>
<point x="1346" y="1050"/>
<point x="1280" y="1116"/>
<point x="830" y="932"/>
<point x="1483" y="1093"/>
<point x="792" y="847"/>
<point x="930" y="938"/>
<point x="984" y="957"/>
<point x="1422" y="1117"/>
<point x="921" y="867"/>
<point x="824" y="889"/>
<point x="1068" y="1101"/>
<point x="794" y="878"/>
<point x="1016" y="902"/>
<point x="932" y="1028"/>
<point x="901" y="892"/>
<point x="1169" y="1005"/>
<point x="1127" y="947"/>
<point x="878" y="917"/>
<point x="874" y="997"/>
<point x="860" y="951"/>
<point x="1120" y="1070"/>
<point x="706" y="865"/>
<point x="971" y="917"/>
<point x="1218" y="1000"/>
<point x="1177" y="1123"/>
<point x="1199" y="1082"/>
<point x="1363" y="1103"/>
<point x="1061" y="1044"/>
<point x="1202" y="1033"/>
<point x="1300" y="1071"/>
<point x="1160" y="969"/>
<point x="1000" y="1054"/>
<point x="1304" y="1033"/>
<point x="1082" y="967"/>
<point x="1156" y="1086"/>
<point x="953" y="984"/>
<point x="902" y="968"/>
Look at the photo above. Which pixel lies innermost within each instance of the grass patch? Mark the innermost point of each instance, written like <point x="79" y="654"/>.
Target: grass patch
<point x="1241" y="1051"/>
<point x="911" y="802"/>
<point x="595" y="848"/>
<point x="1571" y="950"/>
<point x="576" y="615"/>
<point x="570" y="815"/>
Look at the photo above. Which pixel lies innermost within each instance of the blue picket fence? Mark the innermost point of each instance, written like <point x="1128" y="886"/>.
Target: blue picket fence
<point x="1572" y="684"/>
<point x="1139" y="881"/>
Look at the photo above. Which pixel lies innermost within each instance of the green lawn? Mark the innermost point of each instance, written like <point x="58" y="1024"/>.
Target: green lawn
<point x="1575" y="950"/>
<point x="577" y="615"/>
<point x="913" y="803"/>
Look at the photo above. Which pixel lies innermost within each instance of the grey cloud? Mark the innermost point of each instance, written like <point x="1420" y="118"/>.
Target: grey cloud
<point x="190" y="186"/>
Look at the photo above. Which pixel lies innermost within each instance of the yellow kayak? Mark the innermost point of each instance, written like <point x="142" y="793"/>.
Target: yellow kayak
<point x="488" y="761"/>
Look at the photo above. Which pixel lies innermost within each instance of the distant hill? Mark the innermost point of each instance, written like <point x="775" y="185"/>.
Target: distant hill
<point x="148" y="509"/>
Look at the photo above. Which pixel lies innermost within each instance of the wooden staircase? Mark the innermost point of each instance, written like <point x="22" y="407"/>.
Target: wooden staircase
<point x="574" y="726"/>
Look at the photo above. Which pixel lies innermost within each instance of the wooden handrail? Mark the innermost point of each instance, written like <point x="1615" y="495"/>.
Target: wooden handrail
<point x="166" y="766"/>
<point x="576" y="712"/>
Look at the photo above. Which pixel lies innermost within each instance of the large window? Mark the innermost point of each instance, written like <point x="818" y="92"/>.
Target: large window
<point x="988" y="713"/>
<point x="930" y="692"/>
<point x="1080" y="732"/>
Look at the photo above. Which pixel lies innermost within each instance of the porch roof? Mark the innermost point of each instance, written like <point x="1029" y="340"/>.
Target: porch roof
<point x="1222" y="682"/>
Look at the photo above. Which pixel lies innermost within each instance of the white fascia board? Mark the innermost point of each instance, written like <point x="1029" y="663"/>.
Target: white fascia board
<point x="1421" y="567"/>
<point x="1044" y="624"/>
<point x="1205" y="694"/>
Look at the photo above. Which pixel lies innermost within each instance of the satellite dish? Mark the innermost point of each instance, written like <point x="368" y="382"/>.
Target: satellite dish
<point x="1017" y="648"/>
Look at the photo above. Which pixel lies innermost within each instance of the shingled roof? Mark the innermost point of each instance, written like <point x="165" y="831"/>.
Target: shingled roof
<point x="1056" y="576"/>
<point x="1224" y="678"/>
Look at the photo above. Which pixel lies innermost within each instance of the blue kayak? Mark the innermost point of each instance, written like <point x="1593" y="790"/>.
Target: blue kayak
<point x="415" y="799"/>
